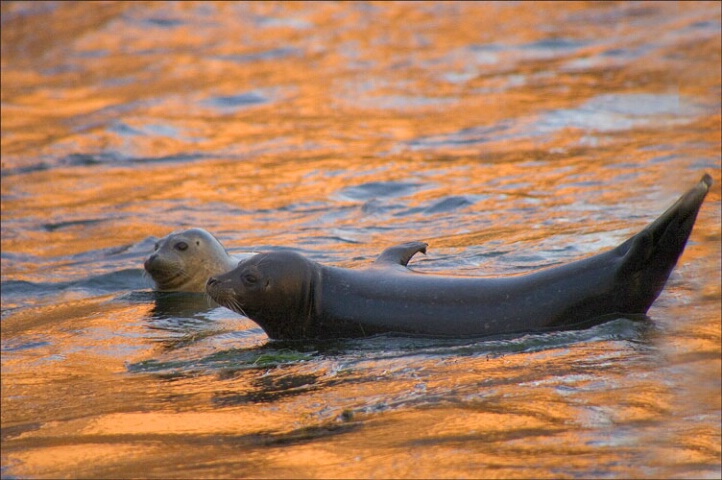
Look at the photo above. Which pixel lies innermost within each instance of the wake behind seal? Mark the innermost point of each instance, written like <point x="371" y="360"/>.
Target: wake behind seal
<point x="292" y="297"/>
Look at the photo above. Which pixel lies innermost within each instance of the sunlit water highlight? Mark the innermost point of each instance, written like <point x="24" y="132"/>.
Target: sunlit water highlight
<point x="510" y="136"/>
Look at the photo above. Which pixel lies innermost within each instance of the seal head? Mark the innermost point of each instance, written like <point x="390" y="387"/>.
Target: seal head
<point x="275" y="289"/>
<point x="183" y="261"/>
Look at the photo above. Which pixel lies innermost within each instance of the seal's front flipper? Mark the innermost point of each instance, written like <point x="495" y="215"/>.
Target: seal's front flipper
<point x="401" y="254"/>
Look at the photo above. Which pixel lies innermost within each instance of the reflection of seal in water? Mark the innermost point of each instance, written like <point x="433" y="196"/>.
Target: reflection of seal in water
<point x="183" y="261"/>
<point x="291" y="297"/>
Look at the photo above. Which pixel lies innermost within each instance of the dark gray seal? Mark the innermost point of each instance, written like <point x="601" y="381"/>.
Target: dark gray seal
<point x="292" y="297"/>
<point x="183" y="261"/>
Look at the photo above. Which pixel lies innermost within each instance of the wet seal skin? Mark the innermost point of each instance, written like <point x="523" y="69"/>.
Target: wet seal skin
<point x="292" y="297"/>
<point x="184" y="260"/>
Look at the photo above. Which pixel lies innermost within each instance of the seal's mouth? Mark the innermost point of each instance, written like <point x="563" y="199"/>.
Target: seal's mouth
<point x="166" y="275"/>
<point x="169" y="281"/>
<point x="223" y="296"/>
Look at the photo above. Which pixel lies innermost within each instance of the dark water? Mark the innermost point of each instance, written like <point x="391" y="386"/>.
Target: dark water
<point x="509" y="136"/>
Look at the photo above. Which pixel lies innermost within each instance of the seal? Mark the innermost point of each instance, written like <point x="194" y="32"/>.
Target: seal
<point x="183" y="261"/>
<point x="292" y="297"/>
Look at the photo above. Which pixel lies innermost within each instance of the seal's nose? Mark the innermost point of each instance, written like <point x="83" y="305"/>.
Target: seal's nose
<point x="149" y="261"/>
<point x="211" y="281"/>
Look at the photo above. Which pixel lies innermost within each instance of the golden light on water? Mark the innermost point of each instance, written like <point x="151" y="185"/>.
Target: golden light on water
<point x="507" y="135"/>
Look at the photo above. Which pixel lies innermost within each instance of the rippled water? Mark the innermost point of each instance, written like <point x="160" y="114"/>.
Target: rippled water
<point x="509" y="136"/>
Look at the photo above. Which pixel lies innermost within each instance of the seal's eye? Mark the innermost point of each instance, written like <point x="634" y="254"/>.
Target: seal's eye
<point x="250" y="278"/>
<point x="181" y="246"/>
<point x="156" y="246"/>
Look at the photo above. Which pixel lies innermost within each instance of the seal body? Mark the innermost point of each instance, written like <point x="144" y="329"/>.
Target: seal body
<point x="183" y="261"/>
<point x="292" y="297"/>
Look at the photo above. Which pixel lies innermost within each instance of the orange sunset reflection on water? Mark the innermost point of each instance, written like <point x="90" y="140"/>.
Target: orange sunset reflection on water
<point x="509" y="136"/>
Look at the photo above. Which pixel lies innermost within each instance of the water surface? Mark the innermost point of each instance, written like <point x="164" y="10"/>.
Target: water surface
<point x="509" y="136"/>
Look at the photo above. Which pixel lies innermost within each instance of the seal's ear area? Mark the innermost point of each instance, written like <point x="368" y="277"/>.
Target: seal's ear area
<point x="401" y="254"/>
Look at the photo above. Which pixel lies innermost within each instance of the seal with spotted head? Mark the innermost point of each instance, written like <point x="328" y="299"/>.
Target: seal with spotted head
<point x="183" y="261"/>
<point x="292" y="297"/>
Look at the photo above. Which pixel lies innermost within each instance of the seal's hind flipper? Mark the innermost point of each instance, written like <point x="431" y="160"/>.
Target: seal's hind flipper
<point x="401" y="254"/>
<point x="650" y="255"/>
<point x="667" y="235"/>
